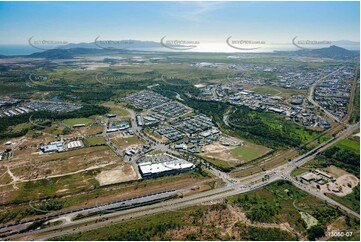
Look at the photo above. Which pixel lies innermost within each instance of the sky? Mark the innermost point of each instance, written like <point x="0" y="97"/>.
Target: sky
<point x="274" y="22"/>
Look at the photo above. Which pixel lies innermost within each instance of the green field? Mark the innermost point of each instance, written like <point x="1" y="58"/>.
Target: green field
<point x="220" y="164"/>
<point x="119" y="111"/>
<point x="73" y="121"/>
<point x="126" y="141"/>
<point x="93" y="141"/>
<point x="250" y="151"/>
<point x="247" y="152"/>
<point x="278" y="91"/>
<point x="301" y="170"/>
<point x="349" y="144"/>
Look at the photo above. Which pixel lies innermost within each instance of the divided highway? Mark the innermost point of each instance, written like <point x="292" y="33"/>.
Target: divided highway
<point x="155" y="203"/>
<point x="280" y="173"/>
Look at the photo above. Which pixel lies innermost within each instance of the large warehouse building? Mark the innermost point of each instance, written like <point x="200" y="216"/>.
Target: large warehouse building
<point x="158" y="165"/>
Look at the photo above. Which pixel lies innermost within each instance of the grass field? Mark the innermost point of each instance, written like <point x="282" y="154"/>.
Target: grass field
<point x="265" y="163"/>
<point x="250" y="151"/>
<point x="318" y="141"/>
<point x="219" y="163"/>
<point x="73" y="121"/>
<point x="92" y="141"/>
<point x="349" y="144"/>
<point x="226" y="157"/>
<point x="299" y="171"/>
<point x="278" y="91"/>
<point x="119" y="111"/>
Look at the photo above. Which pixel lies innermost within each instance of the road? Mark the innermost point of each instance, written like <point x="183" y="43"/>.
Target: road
<point x="232" y="188"/>
<point x="353" y="93"/>
<point x="162" y="147"/>
<point x="311" y="95"/>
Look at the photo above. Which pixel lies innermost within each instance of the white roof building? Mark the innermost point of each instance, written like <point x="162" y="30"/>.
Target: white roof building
<point x="75" y="144"/>
<point x="57" y="146"/>
<point x="174" y="164"/>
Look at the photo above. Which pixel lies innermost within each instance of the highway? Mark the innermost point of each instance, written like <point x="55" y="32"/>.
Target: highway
<point x="232" y="188"/>
<point x="312" y="91"/>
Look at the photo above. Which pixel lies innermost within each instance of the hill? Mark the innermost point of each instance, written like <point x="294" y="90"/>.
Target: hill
<point x="333" y="52"/>
<point x="66" y="53"/>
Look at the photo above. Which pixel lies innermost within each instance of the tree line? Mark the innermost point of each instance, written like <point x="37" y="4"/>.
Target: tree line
<point x="85" y="111"/>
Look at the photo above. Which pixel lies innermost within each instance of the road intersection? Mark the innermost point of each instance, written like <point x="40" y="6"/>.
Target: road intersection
<point x="232" y="187"/>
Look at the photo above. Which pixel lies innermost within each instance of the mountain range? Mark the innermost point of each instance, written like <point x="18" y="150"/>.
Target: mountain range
<point x="333" y="52"/>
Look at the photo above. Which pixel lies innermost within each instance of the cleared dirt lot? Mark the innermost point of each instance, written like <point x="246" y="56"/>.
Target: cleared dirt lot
<point x="344" y="183"/>
<point x="220" y="152"/>
<point x="118" y="174"/>
<point x="28" y="162"/>
<point x="335" y="171"/>
<point x="124" y="143"/>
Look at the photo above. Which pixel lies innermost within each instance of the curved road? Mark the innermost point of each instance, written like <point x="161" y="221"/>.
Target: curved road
<point x="231" y="189"/>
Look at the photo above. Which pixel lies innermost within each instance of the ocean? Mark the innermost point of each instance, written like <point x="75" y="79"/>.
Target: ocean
<point x="11" y="50"/>
<point x="17" y="50"/>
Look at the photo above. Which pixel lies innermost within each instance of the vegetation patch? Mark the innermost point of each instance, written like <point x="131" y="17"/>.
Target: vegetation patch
<point x="73" y="121"/>
<point x="95" y="141"/>
<point x="309" y="219"/>
<point x="349" y="144"/>
<point x="351" y="200"/>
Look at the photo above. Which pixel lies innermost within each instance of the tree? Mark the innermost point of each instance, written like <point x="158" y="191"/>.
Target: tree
<point x="66" y="131"/>
<point x="315" y="232"/>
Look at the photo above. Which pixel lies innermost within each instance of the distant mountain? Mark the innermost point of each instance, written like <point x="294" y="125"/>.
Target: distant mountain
<point x="80" y="45"/>
<point x="336" y="52"/>
<point x="71" y="50"/>
<point x="66" y="53"/>
<point x="333" y="52"/>
<point x="128" y="44"/>
<point x="345" y="43"/>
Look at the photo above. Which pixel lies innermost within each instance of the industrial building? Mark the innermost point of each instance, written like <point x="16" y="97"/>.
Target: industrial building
<point x="61" y="146"/>
<point x="111" y="115"/>
<point x="75" y="145"/>
<point x="57" y="146"/>
<point x="157" y="165"/>
<point x="78" y="125"/>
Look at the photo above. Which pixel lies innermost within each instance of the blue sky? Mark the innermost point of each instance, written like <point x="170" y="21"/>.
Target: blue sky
<point x="276" y="22"/>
